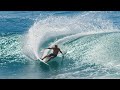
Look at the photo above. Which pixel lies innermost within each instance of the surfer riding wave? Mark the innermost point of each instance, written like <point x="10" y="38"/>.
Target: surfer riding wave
<point x="56" y="50"/>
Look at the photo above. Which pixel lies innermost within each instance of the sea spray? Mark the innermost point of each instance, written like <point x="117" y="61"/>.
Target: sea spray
<point x="54" y="27"/>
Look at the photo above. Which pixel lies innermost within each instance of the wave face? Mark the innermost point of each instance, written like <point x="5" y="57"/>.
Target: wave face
<point x="89" y="40"/>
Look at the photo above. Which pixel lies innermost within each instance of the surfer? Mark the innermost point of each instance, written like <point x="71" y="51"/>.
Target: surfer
<point x="56" y="50"/>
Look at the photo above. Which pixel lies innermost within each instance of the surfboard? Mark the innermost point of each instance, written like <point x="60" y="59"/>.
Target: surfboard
<point x="43" y="61"/>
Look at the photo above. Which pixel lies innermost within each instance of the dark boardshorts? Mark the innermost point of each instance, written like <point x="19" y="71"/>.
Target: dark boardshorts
<point x="53" y="55"/>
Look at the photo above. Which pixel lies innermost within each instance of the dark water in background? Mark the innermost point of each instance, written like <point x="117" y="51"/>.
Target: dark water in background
<point x="90" y="41"/>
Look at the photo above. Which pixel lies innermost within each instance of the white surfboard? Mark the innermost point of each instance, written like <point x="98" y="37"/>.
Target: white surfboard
<point x="43" y="61"/>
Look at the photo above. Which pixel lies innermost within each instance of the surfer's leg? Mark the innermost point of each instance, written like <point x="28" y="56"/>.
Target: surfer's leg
<point x="50" y="55"/>
<point x="51" y="58"/>
<point x="46" y="57"/>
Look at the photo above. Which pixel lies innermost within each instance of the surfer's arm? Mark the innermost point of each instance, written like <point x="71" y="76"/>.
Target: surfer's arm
<point x="49" y="48"/>
<point x="61" y="52"/>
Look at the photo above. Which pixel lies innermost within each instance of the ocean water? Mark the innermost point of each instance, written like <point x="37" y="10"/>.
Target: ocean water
<point x="90" y="41"/>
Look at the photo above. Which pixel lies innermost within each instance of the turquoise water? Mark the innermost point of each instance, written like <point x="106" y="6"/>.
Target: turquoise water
<point x="90" y="41"/>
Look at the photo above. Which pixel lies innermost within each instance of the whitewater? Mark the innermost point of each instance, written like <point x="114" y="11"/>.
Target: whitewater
<point x="90" y="41"/>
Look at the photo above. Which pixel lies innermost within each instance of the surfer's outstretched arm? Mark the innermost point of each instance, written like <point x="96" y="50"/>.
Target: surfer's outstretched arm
<point x="49" y="48"/>
<point x="61" y="52"/>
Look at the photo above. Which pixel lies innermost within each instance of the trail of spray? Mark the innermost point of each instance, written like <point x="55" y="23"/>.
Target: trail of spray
<point x="73" y="37"/>
<point x="68" y="28"/>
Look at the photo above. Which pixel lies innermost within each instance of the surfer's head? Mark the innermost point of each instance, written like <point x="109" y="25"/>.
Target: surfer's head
<point x="56" y="46"/>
